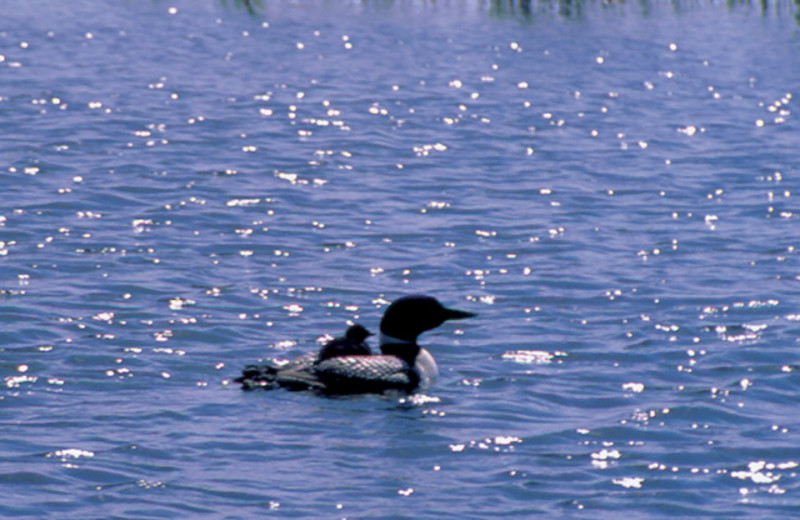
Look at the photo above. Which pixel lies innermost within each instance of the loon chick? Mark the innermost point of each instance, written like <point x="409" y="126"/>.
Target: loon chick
<point x="352" y="344"/>
<point x="402" y="365"/>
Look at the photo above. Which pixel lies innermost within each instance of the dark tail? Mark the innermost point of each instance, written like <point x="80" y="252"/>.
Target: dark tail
<point x="257" y="376"/>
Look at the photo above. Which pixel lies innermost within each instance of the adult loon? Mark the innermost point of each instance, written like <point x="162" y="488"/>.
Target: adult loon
<point x="402" y="365"/>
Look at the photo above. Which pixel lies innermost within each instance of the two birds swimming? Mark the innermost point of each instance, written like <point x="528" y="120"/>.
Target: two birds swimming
<point x="346" y="365"/>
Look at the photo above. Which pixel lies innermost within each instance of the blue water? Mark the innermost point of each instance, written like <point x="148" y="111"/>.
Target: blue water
<point x="187" y="187"/>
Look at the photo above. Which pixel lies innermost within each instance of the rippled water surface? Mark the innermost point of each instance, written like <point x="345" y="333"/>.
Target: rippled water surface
<point x="187" y="187"/>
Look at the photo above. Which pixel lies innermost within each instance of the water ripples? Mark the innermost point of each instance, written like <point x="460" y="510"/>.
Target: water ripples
<point x="617" y="204"/>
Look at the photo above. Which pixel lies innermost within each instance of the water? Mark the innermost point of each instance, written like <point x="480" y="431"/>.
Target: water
<point x="188" y="188"/>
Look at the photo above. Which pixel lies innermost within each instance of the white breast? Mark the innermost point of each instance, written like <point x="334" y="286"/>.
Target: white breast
<point x="426" y="367"/>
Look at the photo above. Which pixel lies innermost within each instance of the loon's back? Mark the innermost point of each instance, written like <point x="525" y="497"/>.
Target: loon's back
<point x="366" y="374"/>
<point x="338" y="375"/>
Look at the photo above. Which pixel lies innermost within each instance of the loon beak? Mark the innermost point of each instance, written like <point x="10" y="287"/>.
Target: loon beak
<point x="455" y="314"/>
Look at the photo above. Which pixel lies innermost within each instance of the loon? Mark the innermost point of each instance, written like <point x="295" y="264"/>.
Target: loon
<point x="402" y="365"/>
<point x="352" y="344"/>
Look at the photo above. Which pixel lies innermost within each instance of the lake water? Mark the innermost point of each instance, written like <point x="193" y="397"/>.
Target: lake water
<point x="187" y="187"/>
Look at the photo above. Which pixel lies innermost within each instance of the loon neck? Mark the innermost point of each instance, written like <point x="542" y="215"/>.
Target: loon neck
<point x="404" y="349"/>
<point x="386" y="339"/>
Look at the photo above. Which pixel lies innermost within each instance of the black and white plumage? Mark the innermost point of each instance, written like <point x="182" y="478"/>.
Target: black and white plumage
<point x="402" y="365"/>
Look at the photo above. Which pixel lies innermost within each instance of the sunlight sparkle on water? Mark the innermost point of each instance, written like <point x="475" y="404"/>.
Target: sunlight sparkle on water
<point x="620" y="215"/>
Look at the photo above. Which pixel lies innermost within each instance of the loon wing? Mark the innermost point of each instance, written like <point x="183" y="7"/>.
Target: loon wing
<point x="337" y="375"/>
<point x="300" y="362"/>
<point x="297" y="373"/>
<point x="303" y="378"/>
<point x="363" y="374"/>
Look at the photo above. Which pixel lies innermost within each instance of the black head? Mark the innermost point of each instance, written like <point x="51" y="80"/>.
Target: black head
<point x="357" y="333"/>
<point x="409" y="316"/>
